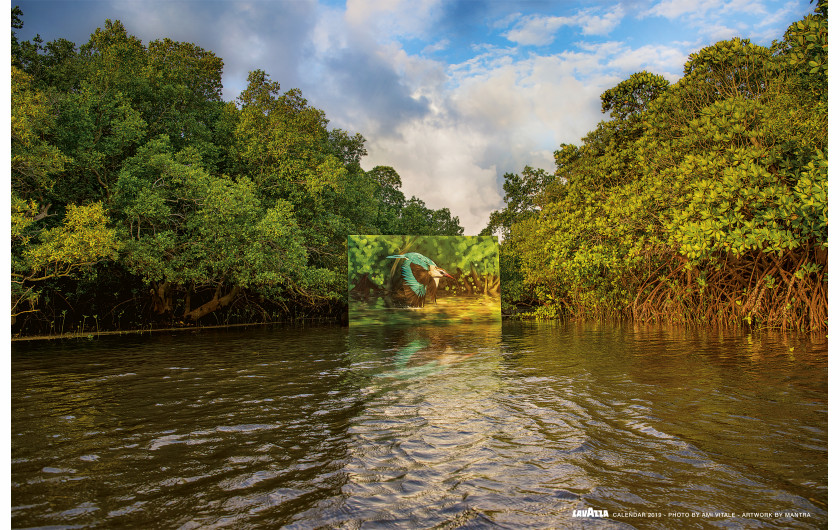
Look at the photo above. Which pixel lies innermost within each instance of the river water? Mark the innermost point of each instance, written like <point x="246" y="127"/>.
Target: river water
<point x="482" y="426"/>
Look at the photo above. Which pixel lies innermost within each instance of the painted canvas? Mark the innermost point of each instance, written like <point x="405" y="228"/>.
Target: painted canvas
<point x="411" y="279"/>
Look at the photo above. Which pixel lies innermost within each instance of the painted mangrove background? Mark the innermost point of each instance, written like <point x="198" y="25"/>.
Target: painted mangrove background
<point x="376" y="283"/>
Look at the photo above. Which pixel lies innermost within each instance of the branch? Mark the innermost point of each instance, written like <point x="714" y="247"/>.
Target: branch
<point x="58" y="273"/>
<point x="214" y="304"/>
<point x="43" y="213"/>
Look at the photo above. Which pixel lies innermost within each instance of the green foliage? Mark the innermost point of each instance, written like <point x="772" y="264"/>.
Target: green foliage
<point x="521" y="195"/>
<point x="129" y="171"/>
<point x="191" y="231"/>
<point x="83" y="239"/>
<point x="630" y="98"/>
<point x="702" y="200"/>
<point x="282" y="141"/>
<point x="40" y="254"/>
<point x="41" y="249"/>
<point x="805" y="47"/>
<point x="34" y="161"/>
<point x="416" y="218"/>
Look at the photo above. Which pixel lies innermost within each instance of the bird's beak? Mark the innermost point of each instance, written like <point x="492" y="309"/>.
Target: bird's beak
<point x="447" y="274"/>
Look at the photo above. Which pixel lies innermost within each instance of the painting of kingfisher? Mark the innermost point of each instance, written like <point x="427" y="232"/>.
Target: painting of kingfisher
<point x="421" y="278"/>
<point x="413" y="279"/>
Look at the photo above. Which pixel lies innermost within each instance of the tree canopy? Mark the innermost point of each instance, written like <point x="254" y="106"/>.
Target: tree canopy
<point x="704" y="200"/>
<point x="141" y="197"/>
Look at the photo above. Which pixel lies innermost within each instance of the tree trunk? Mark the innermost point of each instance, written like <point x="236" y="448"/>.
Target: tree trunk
<point x="216" y="303"/>
<point x="161" y="298"/>
<point x="188" y="302"/>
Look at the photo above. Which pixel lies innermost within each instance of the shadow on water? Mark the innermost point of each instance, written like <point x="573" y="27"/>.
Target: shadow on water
<point x="418" y="426"/>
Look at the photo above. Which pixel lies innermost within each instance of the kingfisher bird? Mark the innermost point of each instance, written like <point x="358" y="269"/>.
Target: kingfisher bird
<point x="420" y="278"/>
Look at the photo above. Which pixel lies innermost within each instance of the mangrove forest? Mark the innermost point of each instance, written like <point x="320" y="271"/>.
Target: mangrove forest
<point x="141" y="199"/>
<point x="699" y="201"/>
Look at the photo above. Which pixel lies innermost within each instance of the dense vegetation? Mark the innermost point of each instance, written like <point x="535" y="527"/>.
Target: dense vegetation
<point x="139" y="197"/>
<point x="704" y="200"/>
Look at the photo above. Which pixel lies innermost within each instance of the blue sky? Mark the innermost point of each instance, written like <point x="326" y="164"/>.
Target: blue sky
<point x="452" y="94"/>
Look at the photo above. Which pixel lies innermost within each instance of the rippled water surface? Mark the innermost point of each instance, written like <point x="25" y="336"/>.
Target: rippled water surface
<point x="479" y="426"/>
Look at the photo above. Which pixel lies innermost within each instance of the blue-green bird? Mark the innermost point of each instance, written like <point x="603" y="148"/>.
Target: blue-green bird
<point x="420" y="278"/>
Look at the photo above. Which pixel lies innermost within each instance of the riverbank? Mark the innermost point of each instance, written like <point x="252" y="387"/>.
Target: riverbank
<point x="149" y="331"/>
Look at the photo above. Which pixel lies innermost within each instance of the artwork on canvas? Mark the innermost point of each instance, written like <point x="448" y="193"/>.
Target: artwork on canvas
<point x="410" y="279"/>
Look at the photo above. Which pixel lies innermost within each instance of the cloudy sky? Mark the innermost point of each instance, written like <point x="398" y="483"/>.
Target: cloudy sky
<point x="452" y="93"/>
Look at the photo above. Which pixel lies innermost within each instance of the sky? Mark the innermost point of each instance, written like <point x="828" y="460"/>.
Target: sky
<point x="452" y="94"/>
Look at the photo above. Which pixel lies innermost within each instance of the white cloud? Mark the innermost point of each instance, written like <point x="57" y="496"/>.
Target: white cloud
<point x="716" y="33"/>
<point x="329" y="32"/>
<point x="437" y="160"/>
<point x="495" y="114"/>
<point x="743" y="6"/>
<point x="667" y="61"/>
<point x="789" y="12"/>
<point x="592" y="24"/>
<point x="672" y="9"/>
<point x="506" y="21"/>
<point x="535" y="30"/>
<point x="531" y="102"/>
<point x="392" y="19"/>
<point x="716" y="20"/>
<point x="436" y="47"/>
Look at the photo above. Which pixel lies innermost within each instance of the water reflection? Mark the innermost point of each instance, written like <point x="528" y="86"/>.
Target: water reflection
<point x="423" y="451"/>
<point x="419" y="351"/>
<point x="473" y="425"/>
<point x="698" y="420"/>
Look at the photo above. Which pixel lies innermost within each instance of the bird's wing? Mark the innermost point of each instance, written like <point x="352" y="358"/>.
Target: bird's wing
<point x="420" y="259"/>
<point x="421" y="274"/>
<point x="410" y="272"/>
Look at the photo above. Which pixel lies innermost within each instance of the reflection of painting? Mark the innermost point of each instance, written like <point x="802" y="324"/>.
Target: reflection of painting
<point x="411" y="352"/>
<point x="423" y="279"/>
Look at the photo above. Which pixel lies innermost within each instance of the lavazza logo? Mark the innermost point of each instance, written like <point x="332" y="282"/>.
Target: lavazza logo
<point x="590" y="512"/>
